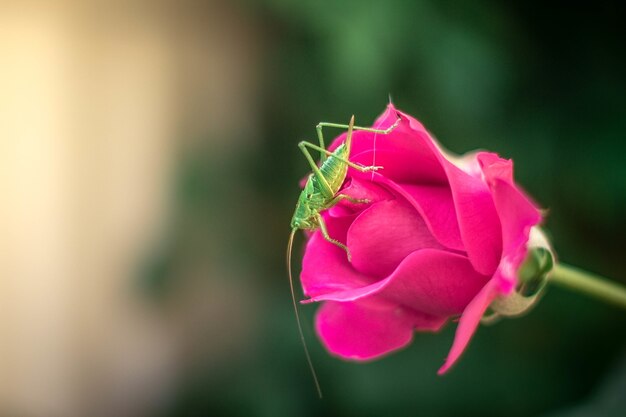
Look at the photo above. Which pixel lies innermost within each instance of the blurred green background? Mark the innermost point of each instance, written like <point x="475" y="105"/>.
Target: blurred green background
<point x="542" y="85"/>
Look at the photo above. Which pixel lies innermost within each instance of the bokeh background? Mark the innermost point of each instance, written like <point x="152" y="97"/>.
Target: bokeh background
<point x="149" y="169"/>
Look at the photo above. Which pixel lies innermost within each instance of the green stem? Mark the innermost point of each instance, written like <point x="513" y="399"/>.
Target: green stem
<point x="590" y="284"/>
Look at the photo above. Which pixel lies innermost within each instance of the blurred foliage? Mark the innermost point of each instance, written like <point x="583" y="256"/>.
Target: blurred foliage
<point x="543" y="86"/>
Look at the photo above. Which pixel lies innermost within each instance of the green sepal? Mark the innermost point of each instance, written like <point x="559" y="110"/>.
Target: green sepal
<point x="534" y="271"/>
<point x="532" y="278"/>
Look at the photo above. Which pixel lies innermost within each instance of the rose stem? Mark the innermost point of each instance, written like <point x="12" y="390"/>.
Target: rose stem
<point x="590" y="284"/>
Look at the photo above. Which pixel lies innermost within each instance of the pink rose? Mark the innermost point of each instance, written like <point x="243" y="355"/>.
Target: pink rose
<point x="441" y="237"/>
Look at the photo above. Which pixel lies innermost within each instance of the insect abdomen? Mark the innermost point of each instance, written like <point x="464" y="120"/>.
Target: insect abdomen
<point x="335" y="170"/>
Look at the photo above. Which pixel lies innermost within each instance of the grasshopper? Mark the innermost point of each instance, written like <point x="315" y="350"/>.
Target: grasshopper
<point x="321" y="193"/>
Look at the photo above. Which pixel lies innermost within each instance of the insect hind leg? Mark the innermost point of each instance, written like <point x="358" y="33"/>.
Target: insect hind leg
<point x="321" y="125"/>
<point x="323" y="151"/>
<point x="329" y="239"/>
<point x="341" y="197"/>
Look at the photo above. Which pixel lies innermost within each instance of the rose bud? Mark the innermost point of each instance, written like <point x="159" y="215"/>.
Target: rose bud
<point x="440" y="237"/>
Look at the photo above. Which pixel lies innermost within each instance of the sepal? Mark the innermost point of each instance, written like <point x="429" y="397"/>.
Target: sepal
<point x="532" y="278"/>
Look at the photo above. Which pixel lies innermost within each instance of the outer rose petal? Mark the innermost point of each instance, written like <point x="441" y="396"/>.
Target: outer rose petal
<point x="469" y="321"/>
<point x="433" y="281"/>
<point x="384" y="234"/>
<point x="435" y="205"/>
<point x="478" y="220"/>
<point x="360" y="330"/>
<point x="466" y="162"/>
<point x="517" y="215"/>
<point x="325" y="269"/>
<point x="402" y="163"/>
<point x="337" y="225"/>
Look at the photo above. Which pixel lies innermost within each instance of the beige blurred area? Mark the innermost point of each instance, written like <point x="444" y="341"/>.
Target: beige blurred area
<point x="97" y="102"/>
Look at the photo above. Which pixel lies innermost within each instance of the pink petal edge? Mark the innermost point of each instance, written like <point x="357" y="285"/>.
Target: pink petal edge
<point x="469" y="322"/>
<point x="386" y="233"/>
<point x="365" y="331"/>
<point x="440" y="296"/>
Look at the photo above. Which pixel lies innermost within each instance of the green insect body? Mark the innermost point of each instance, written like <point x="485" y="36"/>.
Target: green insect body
<point x="321" y="193"/>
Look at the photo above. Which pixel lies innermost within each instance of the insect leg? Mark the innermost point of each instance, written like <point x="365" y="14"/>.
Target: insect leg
<point x="324" y="231"/>
<point x="345" y="161"/>
<point x="340" y="197"/>
<point x="326" y="190"/>
<point x="321" y="125"/>
<point x="320" y="137"/>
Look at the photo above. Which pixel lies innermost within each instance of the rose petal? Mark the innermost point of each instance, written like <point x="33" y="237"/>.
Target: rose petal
<point x="338" y="224"/>
<point x="362" y="331"/>
<point x="466" y="162"/>
<point x="478" y="220"/>
<point x="516" y="212"/>
<point x="429" y="280"/>
<point x="468" y="323"/>
<point x="359" y="189"/>
<point x="517" y="216"/>
<point x="384" y="234"/>
<point x="400" y="162"/>
<point x="435" y="282"/>
<point x="435" y="205"/>
<point x="438" y="207"/>
<point x="325" y="269"/>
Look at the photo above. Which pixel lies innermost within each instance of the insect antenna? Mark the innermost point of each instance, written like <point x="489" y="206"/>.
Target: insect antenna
<point x="295" y="309"/>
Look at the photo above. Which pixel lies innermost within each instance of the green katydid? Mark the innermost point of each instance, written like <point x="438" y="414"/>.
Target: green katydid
<point x="321" y="193"/>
